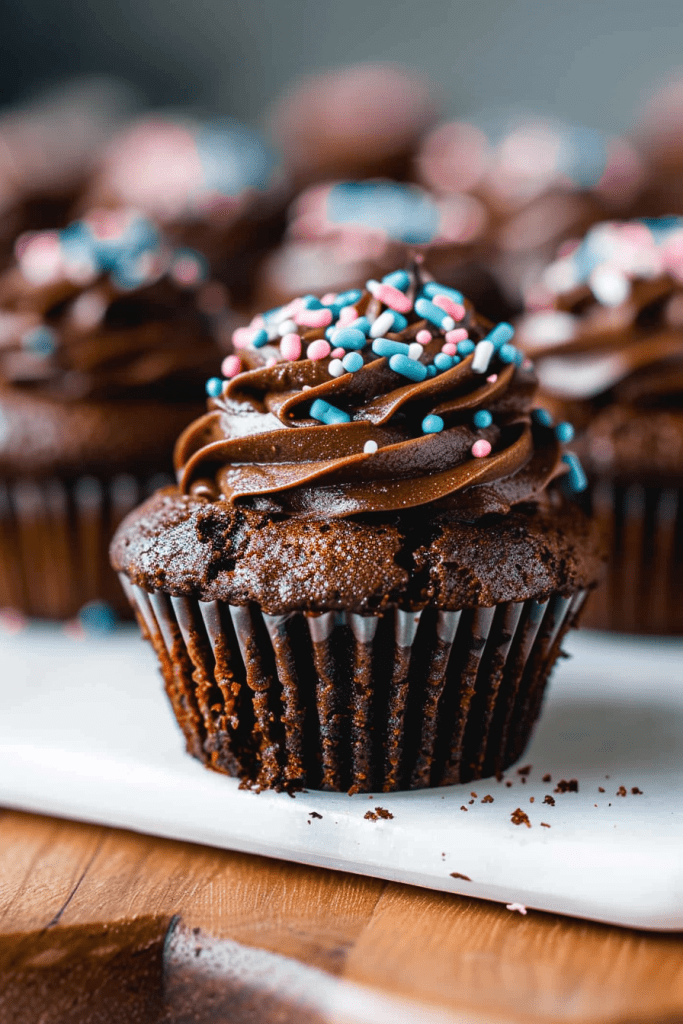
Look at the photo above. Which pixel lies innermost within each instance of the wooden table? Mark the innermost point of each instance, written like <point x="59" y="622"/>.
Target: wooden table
<point x="310" y="944"/>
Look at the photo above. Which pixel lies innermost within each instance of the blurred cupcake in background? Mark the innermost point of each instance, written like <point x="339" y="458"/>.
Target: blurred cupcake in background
<point x="356" y="122"/>
<point x="48" y="147"/>
<point x="214" y="185"/>
<point x="658" y="135"/>
<point x="605" y="332"/>
<point x="541" y="180"/>
<point x="345" y="231"/>
<point x="104" y="352"/>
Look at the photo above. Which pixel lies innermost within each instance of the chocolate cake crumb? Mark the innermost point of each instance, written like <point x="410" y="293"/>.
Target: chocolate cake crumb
<point x="508" y="784"/>
<point x="567" y="786"/>
<point x="525" y="770"/>
<point x="488" y="799"/>
<point x="456" y="874"/>
<point x="379" y="812"/>
<point x="462" y="807"/>
<point x="548" y="799"/>
<point x="544" y="824"/>
<point x="531" y="799"/>
<point x="636" y="791"/>
<point x="622" y="791"/>
<point x="474" y="795"/>
<point x="314" y="814"/>
<point x="519" y="817"/>
<point x="547" y="777"/>
<point x="470" y="802"/>
<point x="601" y="789"/>
<point x="523" y="779"/>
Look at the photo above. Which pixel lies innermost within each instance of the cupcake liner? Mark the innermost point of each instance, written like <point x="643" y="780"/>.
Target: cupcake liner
<point x="342" y="701"/>
<point x="643" y="530"/>
<point x="54" y="541"/>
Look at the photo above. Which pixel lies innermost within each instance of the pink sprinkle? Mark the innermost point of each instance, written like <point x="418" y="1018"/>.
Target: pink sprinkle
<point x="231" y="366"/>
<point x="459" y="334"/>
<point x="290" y="347"/>
<point x="450" y="349"/>
<point x="454" y="309"/>
<point x="424" y="337"/>
<point x="319" y="349"/>
<point x="347" y="315"/>
<point x="338" y="353"/>
<point x="257" y="322"/>
<point x="492" y="379"/>
<point x="328" y="298"/>
<point x="392" y="298"/>
<point x="314" y="317"/>
<point x="481" y="448"/>
<point x="241" y="338"/>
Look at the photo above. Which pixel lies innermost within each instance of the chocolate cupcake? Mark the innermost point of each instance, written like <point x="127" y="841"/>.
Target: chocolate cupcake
<point x="364" y="575"/>
<point x="606" y="335"/>
<point x="103" y="357"/>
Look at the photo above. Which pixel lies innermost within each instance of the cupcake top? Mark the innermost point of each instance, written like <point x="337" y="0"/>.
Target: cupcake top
<point x="105" y="308"/>
<point x="382" y="399"/>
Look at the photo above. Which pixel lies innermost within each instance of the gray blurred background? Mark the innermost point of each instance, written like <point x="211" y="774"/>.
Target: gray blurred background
<point x="593" y="61"/>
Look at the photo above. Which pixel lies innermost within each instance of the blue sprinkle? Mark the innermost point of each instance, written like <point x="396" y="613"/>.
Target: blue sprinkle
<point x="427" y="310"/>
<point x="432" y="424"/>
<point x="98" y="617"/>
<point x="432" y="288"/>
<point x="431" y="370"/>
<point x="326" y="413"/>
<point x="482" y="419"/>
<point x="542" y="417"/>
<point x="349" y="298"/>
<point x="271" y="313"/>
<point x="387" y="347"/>
<point x="442" y="361"/>
<point x="409" y="368"/>
<point x="564" y="432"/>
<point x="400" y="322"/>
<point x="260" y="339"/>
<point x="41" y="341"/>
<point x="361" y="324"/>
<point x="466" y="347"/>
<point x="398" y="279"/>
<point x="329" y="331"/>
<point x="510" y="354"/>
<point x="348" y="338"/>
<point x="352" y="361"/>
<point x="310" y="302"/>
<point x="214" y="387"/>
<point x="576" y="477"/>
<point x="501" y="334"/>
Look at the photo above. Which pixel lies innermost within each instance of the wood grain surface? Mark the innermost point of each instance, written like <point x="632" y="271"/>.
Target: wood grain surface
<point x="460" y="957"/>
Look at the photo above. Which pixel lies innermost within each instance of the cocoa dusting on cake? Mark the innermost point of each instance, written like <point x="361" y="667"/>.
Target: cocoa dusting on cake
<point x="548" y="799"/>
<point x="547" y="777"/>
<point x="488" y="799"/>
<point x="456" y="874"/>
<point x="519" y="817"/>
<point x="622" y="791"/>
<point x="379" y="812"/>
<point x="567" y="786"/>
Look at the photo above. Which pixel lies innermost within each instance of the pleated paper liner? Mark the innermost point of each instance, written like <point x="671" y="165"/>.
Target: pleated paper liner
<point x="54" y="541"/>
<point x="641" y="589"/>
<point x="340" y="701"/>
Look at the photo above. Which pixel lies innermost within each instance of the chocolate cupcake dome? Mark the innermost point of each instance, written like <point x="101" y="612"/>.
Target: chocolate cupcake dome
<point x="103" y="358"/>
<point x="363" y="577"/>
<point x="606" y="335"/>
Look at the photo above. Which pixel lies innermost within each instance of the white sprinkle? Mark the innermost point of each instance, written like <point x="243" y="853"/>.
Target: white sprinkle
<point x="306" y="387"/>
<point x="372" y="286"/>
<point x="287" y="327"/>
<point x="415" y="350"/>
<point x="482" y="357"/>
<point x="448" y="323"/>
<point x="609" y="286"/>
<point x="548" y="328"/>
<point x="383" y="323"/>
<point x="519" y="907"/>
<point x="370" y="447"/>
<point x="273" y="332"/>
<point x="560" y="276"/>
<point x="336" y="368"/>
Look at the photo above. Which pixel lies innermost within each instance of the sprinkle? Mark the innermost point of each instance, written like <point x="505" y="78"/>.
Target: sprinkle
<point x="482" y="419"/>
<point x="456" y="336"/>
<point x="328" y="298"/>
<point x="481" y="448"/>
<point x="337" y="353"/>
<point x="41" y="341"/>
<point x="465" y="348"/>
<point x="450" y="350"/>
<point x="383" y="324"/>
<point x="398" y="279"/>
<point x="326" y="413"/>
<point x="432" y="288"/>
<point x="431" y="370"/>
<point x="427" y="309"/>
<point x="609" y="286"/>
<point x="349" y="338"/>
<point x="314" y="317"/>
<point x="542" y="417"/>
<point x="245" y="336"/>
<point x="361" y="324"/>
<point x="370" y="447"/>
<point x="454" y="309"/>
<point x="564" y="432"/>
<point x="336" y="368"/>
<point x="231" y="366"/>
<point x="290" y="347"/>
<point x="188" y="268"/>
<point x="510" y="354"/>
<point x="576" y="477"/>
<point x="432" y="424"/>
<point x="442" y="361"/>
<point x="352" y="361"/>
<point x="310" y="302"/>
<point x="286" y="327"/>
<point x="516" y="907"/>
<point x="214" y="387"/>
<point x="408" y="367"/>
<point x="501" y="334"/>
<point x="319" y="349"/>
<point x="415" y="350"/>
<point x="482" y="356"/>
<point x="424" y="337"/>
<point x="387" y="347"/>
<point x="350" y="297"/>
<point x="347" y="315"/>
<point x="391" y="297"/>
<point x="272" y="361"/>
<point x="98" y="617"/>
<point x="492" y="379"/>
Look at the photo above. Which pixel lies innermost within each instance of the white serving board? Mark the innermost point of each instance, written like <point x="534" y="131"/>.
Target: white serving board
<point x="86" y="733"/>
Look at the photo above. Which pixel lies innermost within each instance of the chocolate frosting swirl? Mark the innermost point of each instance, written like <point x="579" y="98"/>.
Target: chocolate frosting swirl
<point x="259" y="445"/>
<point x="105" y="308"/>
